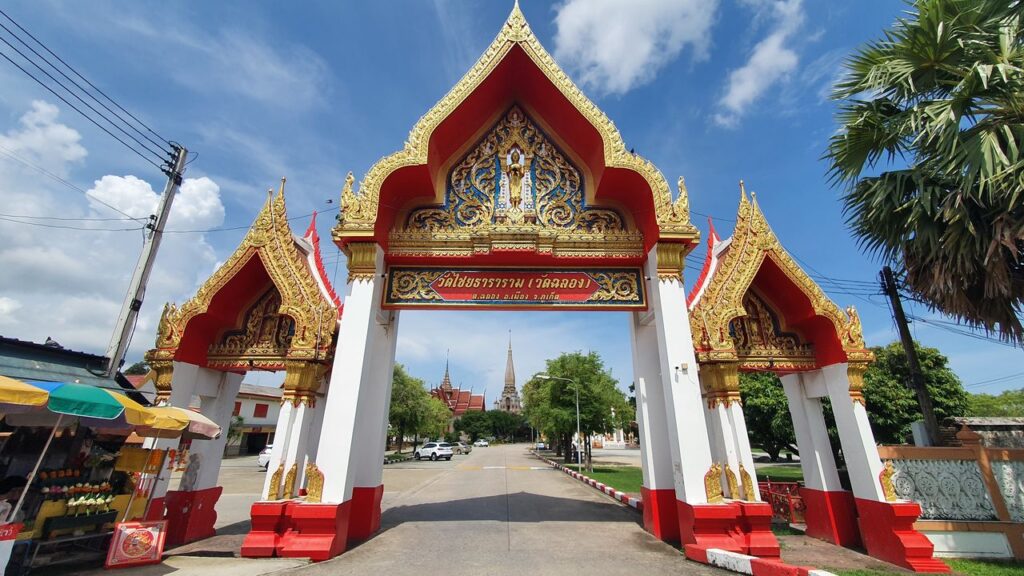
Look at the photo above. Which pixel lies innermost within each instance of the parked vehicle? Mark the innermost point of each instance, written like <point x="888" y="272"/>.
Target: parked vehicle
<point x="434" y="450"/>
<point x="541" y="446"/>
<point x="263" y="460"/>
<point x="481" y="443"/>
<point x="461" y="448"/>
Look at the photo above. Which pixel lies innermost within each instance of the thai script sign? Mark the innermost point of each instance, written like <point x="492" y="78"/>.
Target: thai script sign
<point x="589" y="288"/>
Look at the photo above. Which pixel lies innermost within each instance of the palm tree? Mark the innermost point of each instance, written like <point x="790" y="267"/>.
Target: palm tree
<point x="929" y="155"/>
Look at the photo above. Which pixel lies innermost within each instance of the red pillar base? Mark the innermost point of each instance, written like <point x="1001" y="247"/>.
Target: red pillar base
<point x="711" y="526"/>
<point x="318" y="531"/>
<point x="755" y="520"/>
<point x="887" y="530"/>
<point x="263" y="537"/>
<point x="155" y="510"/>
<point x="191" y="515"/>
<point x="364" y="520"/>
<point x="660" y="515"/>
<point x="831" y="516"/>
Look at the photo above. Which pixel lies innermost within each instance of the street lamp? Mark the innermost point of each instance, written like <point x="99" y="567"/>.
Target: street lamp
<point x="576" y="387"/>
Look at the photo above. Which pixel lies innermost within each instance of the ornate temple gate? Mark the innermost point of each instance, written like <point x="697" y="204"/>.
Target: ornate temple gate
<point x="516" y="192"/>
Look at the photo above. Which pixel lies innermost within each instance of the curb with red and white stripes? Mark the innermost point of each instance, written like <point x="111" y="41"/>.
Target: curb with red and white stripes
<point x="733" y="561"/>
<point x="617" y="494"/>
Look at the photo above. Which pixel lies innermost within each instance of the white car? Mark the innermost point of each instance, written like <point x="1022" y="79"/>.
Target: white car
<point x="434" y="450"/>
<point x="263" y="460"/>
<point x="481" y="443"/>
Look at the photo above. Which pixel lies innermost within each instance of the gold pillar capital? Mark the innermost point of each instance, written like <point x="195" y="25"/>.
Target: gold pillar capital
<point x="301" y="381"/>
<point x="720" y="382"/>
<point x="362" y="260"/>
<point x="671" y="257"/>
<point x="855" y="373"/>
<point x="162" y="372"/>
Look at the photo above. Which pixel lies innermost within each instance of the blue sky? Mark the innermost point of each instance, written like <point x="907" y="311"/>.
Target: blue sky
<point x="714" y="91"/>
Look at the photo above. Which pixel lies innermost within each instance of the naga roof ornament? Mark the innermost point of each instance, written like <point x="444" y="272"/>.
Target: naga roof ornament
<point x="360" y="210"/>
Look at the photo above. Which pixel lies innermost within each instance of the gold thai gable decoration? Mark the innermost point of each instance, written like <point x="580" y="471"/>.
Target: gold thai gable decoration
<point x="314" y="484"/>
<point x="748" y="485"/>
<point x="728" y="296"/>
<point x="289" y="481"/>
<point x="302" y="325"/>
<point x="359" y="213"/>
<point x="885" y="479"/>
<point x="720" y="383"/>
<point x="514" y="190"/>
<point x="730" y="479"/>
<point x="713" y="484"/>
<point x="274" y="493"/>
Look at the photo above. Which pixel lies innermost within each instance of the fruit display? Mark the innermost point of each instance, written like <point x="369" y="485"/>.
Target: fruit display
<point x="79" y="497"/>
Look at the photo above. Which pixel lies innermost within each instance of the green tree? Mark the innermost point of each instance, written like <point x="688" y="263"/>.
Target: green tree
<point x="1010" y="403"/>
<point x="766" y="411"/>
<point x="474" y="424"/>
<point x="436" y="419"/>
<point x="550" y="404"/>
<point x="408" y="404"/>
<point x="892" y="405"/>
<point x="504" y="425"/>
<point x="138" y="368"/>
<point x="934" y="113"/>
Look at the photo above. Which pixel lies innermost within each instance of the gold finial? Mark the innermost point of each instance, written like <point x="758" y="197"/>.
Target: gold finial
<point x="281" y="189"/>
<point x="743" y="191"/>
<point x="681" y="185"/>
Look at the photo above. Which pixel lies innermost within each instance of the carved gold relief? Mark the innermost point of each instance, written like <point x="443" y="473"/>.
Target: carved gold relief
<point x="313" y="316"/>
<point x="274" y="493"/>
<point x="761" y="339"/>
<point x="721" y="383"/>
<point x="314" y="484"/>
<point x="713" y="484"/>
<point x="885" y="479"/>
<point x="730" y="479"/>
<point x="360" y="210"/>
<point x="617" y="286"/>
<point x="163" y="374"/>
<point x="671" y="259"/>
<point x="748" y="485"/>
<point x="855" y="373"/>
<point x="415" y="285"/>
<point x="362" y="260"/>
<point x="264" y="334"/>
<point x="289" y="481"/>
<point x="727" y="297"/>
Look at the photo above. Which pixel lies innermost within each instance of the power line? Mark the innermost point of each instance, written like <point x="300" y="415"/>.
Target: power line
<point x="86" y="80"/>
<point x="67" y="227"/>
<point x="58" y="218"/>
<point x="995" y="380"/>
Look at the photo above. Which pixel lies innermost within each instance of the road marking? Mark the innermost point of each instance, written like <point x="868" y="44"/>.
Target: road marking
<point x="464" y="467"/>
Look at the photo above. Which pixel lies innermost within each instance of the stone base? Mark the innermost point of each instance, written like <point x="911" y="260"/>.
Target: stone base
<point x="364" y="519"/>
<point x="316" y="531"/>
<point x="755" y="521"/>
<point x="265" y="534"/>
<point x="887" y="530"/>
<point x="191" y="515"/>
<point x="711" y="526"/>
<point x="661" y="518"/>
<point x="831" y="516"/>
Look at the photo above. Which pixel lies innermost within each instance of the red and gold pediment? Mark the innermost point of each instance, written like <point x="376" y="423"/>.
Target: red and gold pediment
<point x="514" y="73"/>
<point x="758" y="307"/>
<point x="267" y="304"/>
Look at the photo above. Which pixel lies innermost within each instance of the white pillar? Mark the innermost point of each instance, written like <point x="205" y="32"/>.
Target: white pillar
<point x="855" y="435"/>
<point x="205" y="455"/>
<point x="722" y="439"/>
<point x="372" y="421"/>
<point x="277" y="453"/>
<point x="354" y="396"/>
<point x="816" y="460"/>
<point x="741" y="440"/>
<point x="183" y="386"/>
<point x="684" y="407"/>
<point x="655" y="452"/>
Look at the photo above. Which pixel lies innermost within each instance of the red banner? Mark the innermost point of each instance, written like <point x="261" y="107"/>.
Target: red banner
<point x="586" y="288"/>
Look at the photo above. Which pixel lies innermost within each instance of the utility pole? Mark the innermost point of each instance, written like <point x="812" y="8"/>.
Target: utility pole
<point x="137" y="289"/>
<point x="924" y="399"/>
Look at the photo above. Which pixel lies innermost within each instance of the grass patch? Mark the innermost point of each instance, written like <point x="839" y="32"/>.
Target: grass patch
<point x="781" y="473"/>
<point x="986" y="567"/>
<point x="863" y="572"/>
<point x="623" y="478"/>
<point x="785" y="530"/>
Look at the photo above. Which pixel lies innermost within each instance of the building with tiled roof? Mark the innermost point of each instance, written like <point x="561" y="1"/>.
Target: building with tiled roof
<point x="457" y="400"/>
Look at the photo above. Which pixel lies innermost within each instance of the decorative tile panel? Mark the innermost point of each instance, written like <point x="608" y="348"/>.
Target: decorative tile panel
<point x="1010" y="478"/>
<point x="945" y="489"/>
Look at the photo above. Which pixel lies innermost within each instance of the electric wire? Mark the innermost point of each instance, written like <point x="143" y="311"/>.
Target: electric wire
<point x="160" y="151"/>
<point x="67" y="227"/>
<point x="86" y="80"/>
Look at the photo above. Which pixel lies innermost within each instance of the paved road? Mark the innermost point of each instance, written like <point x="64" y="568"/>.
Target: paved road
<point x="501" y="511"/>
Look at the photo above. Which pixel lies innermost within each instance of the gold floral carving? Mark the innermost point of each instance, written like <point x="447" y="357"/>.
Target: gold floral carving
<point x="270" y="242"/>
<point x="289" y="481"/>
<point x="855" y="373"/>
<point x="748" y="485"/>
<point x="721" y="383"/>
<point x="415" y="285"/>
<point x="730" y="479"/>
<point x="362" y="260"/>
<point x="671" y="259"/>
<point x="616" y="286"/>
<point x="752" y="245"/>
<point x="162" y="373"/>
<point x="359" y="212"/>
<point x="265" y="336"/>
<point x="314" y="484"/>
<point x="763" y="342"/>
<point x="885" y="479"/>
<point x="274" y="493"/>
<point x="713" y="484"/>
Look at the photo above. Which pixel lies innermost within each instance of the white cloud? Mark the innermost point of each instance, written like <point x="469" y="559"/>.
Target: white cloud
<point x="68" y="284"/>
<point x="615" y="46"/>
<point x="771" y="60"/>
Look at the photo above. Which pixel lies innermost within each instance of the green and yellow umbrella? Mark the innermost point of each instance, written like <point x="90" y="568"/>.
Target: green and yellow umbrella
<point x="21" y="393"/>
